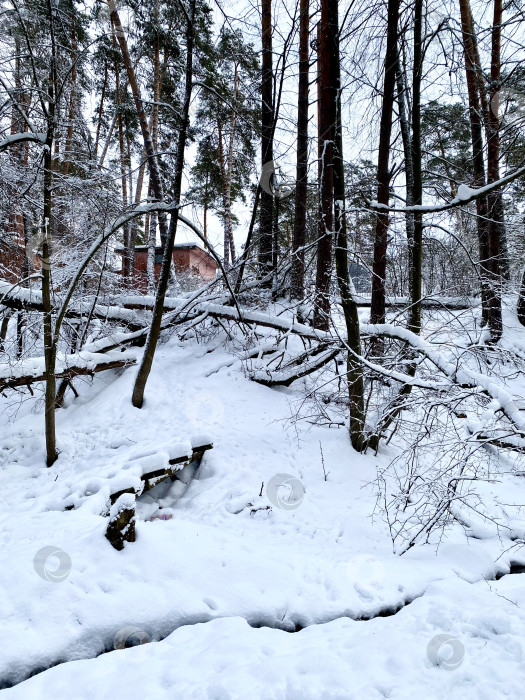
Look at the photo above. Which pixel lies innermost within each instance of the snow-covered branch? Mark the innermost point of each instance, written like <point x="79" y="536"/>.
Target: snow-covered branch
<point x="32" y="370"/>
<point x="23" y="137"/>
<point x="464" y="196"/>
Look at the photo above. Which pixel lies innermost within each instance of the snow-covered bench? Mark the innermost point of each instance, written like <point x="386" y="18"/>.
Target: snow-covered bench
<point x="180" y="462"/>
<point x="159" y="466"/>
<point x="113" y="490"/>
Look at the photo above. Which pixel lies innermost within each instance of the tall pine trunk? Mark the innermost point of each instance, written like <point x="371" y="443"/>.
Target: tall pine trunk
<point x="50" y="342"/>
<point x="416" y="245"/>
<point x="495" y="199"/>
<point x="154" y="172"/>
<point x="407" y="145"/>
<point x="301" y="186"/>
<point x="326" y="141"/>
<point x="266" y="215"/>
<point x="378" y="301"/>
<point x="491" y="303"/>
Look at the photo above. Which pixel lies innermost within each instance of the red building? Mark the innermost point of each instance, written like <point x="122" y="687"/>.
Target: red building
<point x="187" y="257"/>
<point x="13" y="264"/>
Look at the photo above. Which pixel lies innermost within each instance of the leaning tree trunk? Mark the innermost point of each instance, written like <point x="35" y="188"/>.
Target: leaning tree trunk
<point x="225" y="222"/>
<point x="156" y="321"/>
<point x="378" y="301"/>
<point x="301" y="186"/>
<point x="126" y="259"/>
<point x="353" y="368"/>
<point x="267" y="116"/>
<point x="154" y="173"/>
<point x="229" y="171"/>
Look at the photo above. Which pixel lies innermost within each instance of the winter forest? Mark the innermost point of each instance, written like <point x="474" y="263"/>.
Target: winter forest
<point x="262" y="349"/>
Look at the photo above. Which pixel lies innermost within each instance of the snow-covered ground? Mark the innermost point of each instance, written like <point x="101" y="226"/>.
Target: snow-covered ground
<point x="239" y="594"/>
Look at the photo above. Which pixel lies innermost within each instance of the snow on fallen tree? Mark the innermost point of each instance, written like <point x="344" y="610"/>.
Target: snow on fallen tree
<point x="32" y="370"/>
<point x="299" y="367"/>
<point x="455" y="373"/>
<point x="24" y="299"/>
<point x="183" y="310"/>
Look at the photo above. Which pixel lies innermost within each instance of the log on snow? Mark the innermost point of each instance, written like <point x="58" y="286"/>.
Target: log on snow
<point x="67" y="367"/>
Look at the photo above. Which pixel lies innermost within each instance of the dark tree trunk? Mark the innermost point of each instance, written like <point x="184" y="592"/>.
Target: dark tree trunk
<point x="407" y="145"/>
<point x="100" y="111"/>
<point x="49" y="340"/>
<point x="267" y="115"/>
<point x="521" y="302"/>
<point x="326" y="140"/>
<point x="491" y="303"/>
<point x="378" y="302"/>
<point x="416" y="245"/>
<point x="301" y="186"/>
<point x="126" y="260"/>
<point x="495" y="199"/>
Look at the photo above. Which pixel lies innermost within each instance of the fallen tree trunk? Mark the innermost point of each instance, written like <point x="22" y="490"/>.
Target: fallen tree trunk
<point x="24" y="299"/>
<point x="67" y="367"/>
<point x="450" y="304"/>
<point x="288" y="375"/>
<point x="455" y="375"/>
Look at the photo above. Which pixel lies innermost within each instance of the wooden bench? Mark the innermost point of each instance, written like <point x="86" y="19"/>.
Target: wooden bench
<point x="121" y="526"/>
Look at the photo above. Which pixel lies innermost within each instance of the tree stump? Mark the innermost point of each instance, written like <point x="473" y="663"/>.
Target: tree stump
<point x="121" y="526"/>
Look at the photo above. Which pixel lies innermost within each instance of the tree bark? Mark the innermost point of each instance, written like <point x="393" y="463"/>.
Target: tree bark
<point x="495" y="199"/>
<point x="301" y="185"/>
<point x="154" y="173"/>
<point x="326" y="141"/>
<point x="100" y="111"/>
<point x="378" y="303"/>
<point x="407" y="145"/>
<point x="416" y="247"/>
<point x="491" y="304"/>
<point x="353" y="368"/>
<point x="126" y="261"/>
<point x="266" y="214"/>
<point x="49" y="340"/>
<point x="156" y="322"/>
<point x="72" y="106"/>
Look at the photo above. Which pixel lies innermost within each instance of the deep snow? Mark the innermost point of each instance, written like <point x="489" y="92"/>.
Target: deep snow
<point x="249" y="600"/>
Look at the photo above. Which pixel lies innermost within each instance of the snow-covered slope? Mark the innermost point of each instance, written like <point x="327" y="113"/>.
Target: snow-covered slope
<point x="240" y="598"/>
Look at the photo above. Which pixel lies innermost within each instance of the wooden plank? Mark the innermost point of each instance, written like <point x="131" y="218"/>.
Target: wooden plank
<point x="152" y="478"/>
